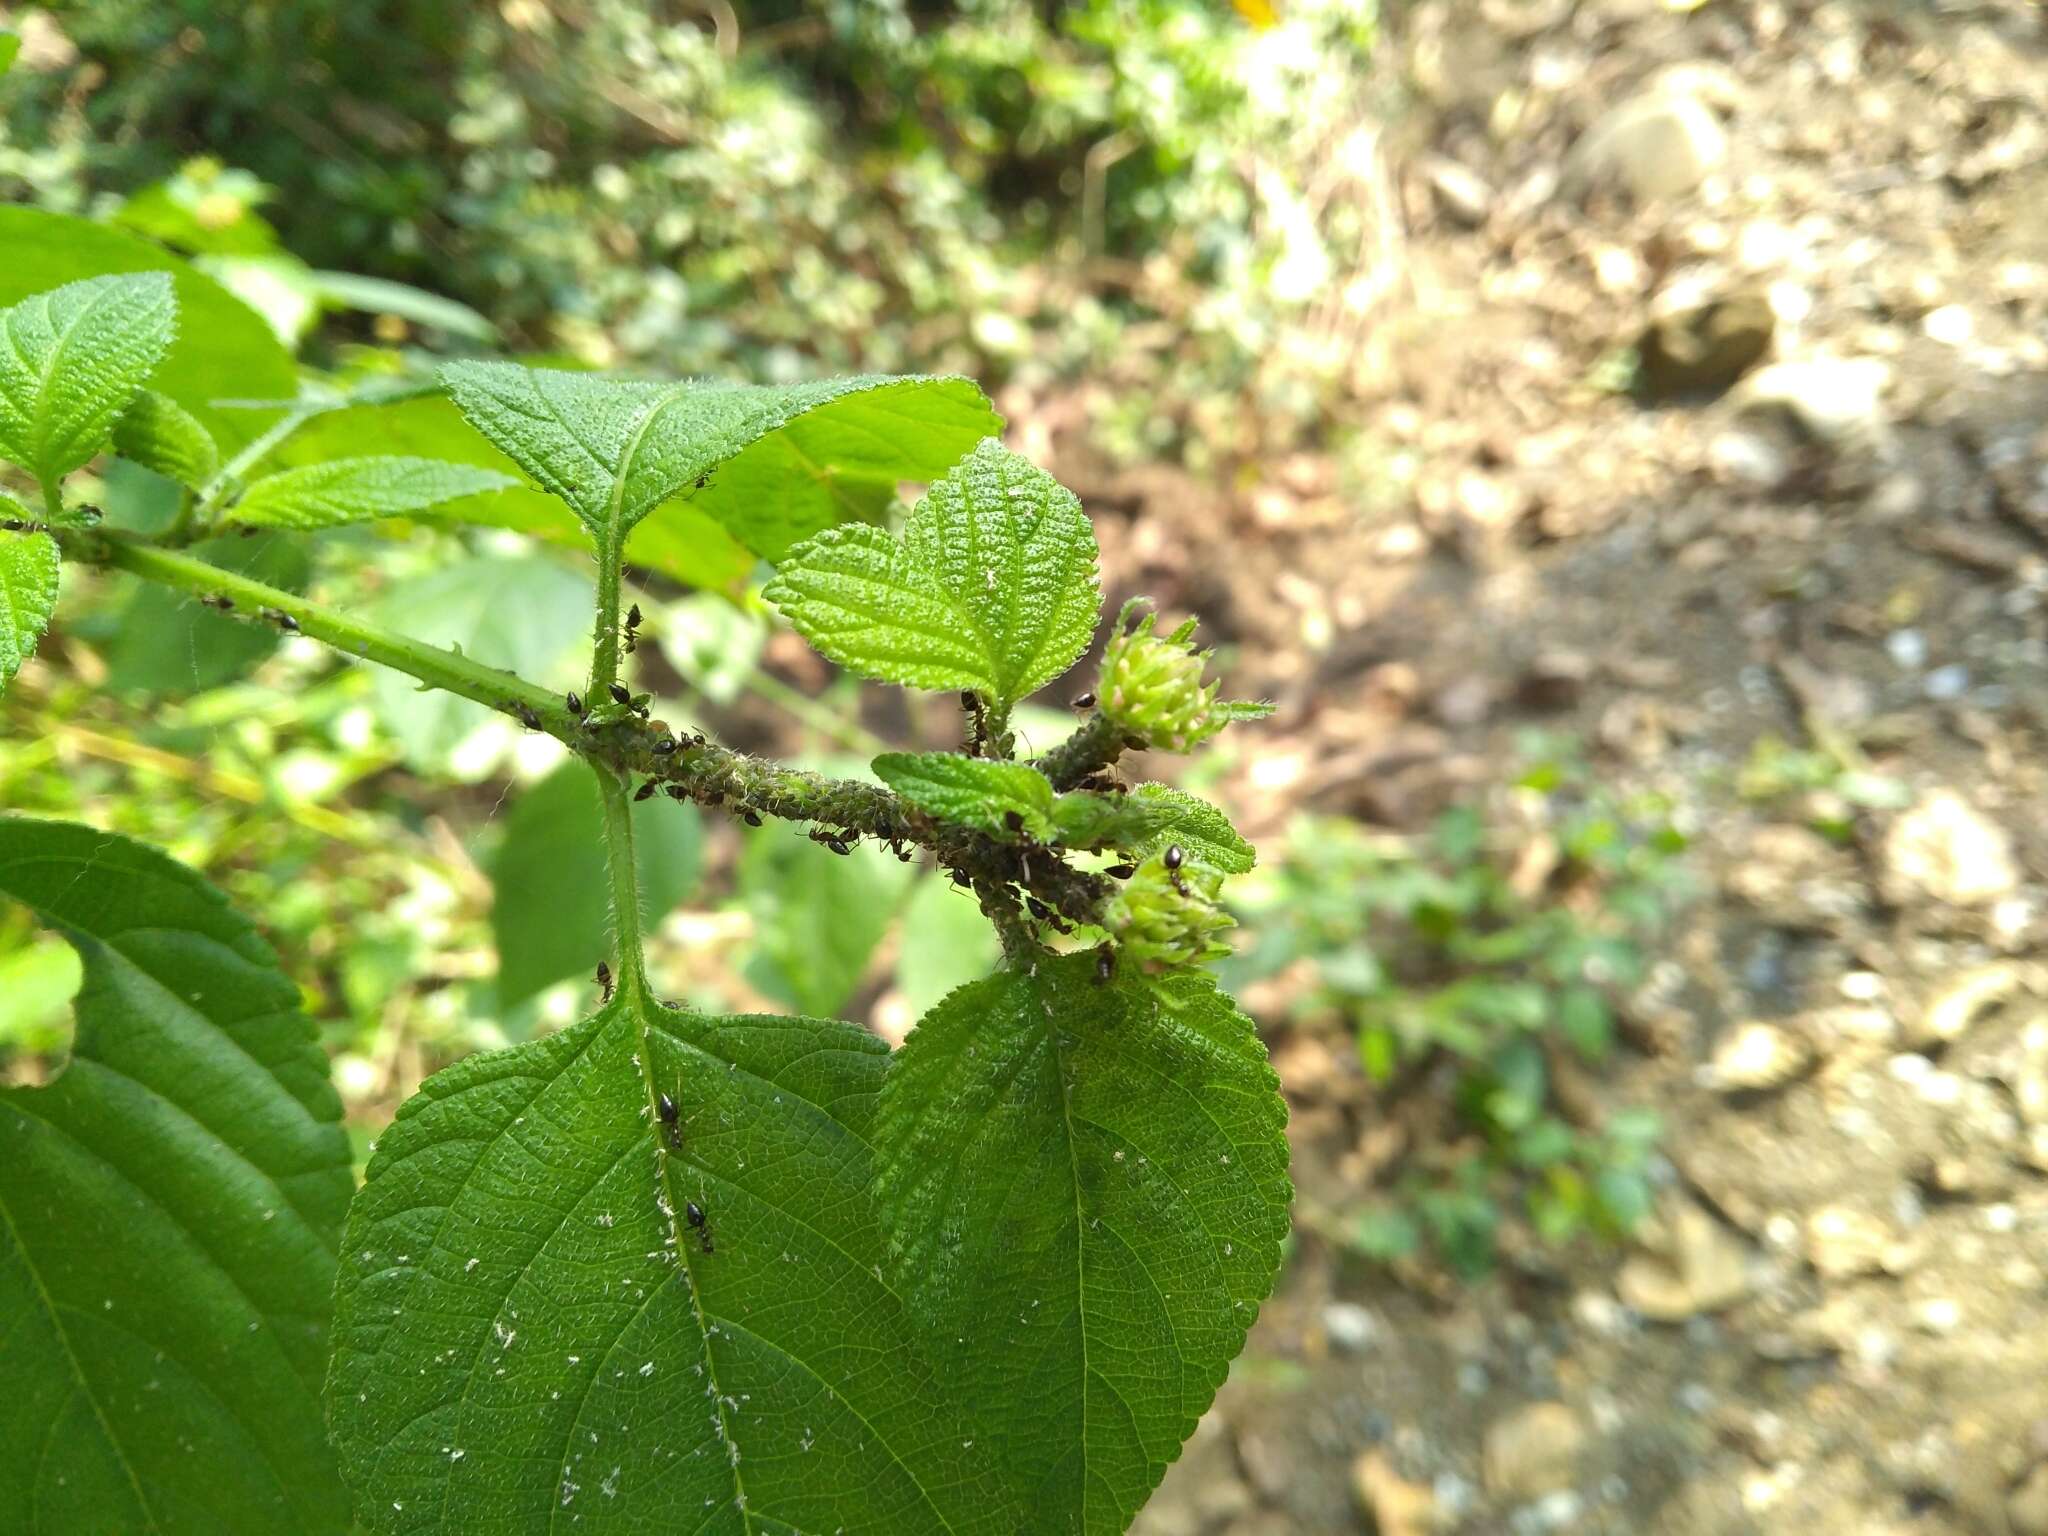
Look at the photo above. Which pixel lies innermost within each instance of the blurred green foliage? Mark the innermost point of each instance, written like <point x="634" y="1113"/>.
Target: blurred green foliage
<point x="1472" y="966"/>
<point x="1158" y="193"/>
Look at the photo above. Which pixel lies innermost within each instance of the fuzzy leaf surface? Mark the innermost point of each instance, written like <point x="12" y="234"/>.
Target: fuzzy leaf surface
<point x="1203" y="832"/>
<point x="532" y="1336"/>
<point x="977" y="792"/>
<point x="359" y="489"/>
<point x="992" y="586"/>
<point x="70" y="361"/>
<point x="160" y="434"/>
<point x="29" y="567"/>
<point x="169" y="1210"/>
<point x="1085" y="1191"/>
<point x="779" y="461"/>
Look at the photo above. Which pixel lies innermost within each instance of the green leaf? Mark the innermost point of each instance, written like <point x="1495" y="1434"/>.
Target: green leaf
<point x="378" y="295"/>
<point x="160" y="434"/>
<point x="223" y="349"/>
<point x="169" y="1210"/>
<point x="1085" y="1190"/>
<point x="70" y="361"/>
<point x="550" y="909"/>
<point x="356" y="490"/>
<point x="524" y="613"/>
<point x="28" y="592"/>
<point x="679" y="541"/>
<point x="10" y="45"/>
<point x="534" y="1336"/>
<point x="1148" y="820"/>
<point x="788" y="459"/>
<point x="976" y="792"/>
<point x="818" y="917"/>
<point x="992" y="586"/>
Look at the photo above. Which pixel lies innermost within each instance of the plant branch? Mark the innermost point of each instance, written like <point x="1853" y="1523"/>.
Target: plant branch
<point x="685" y="766"/>
<point x="1095" y="746"/>
<point x="625" y="882"/>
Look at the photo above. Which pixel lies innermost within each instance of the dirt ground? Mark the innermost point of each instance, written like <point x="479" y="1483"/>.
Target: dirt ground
<point x="1823" y="515"/>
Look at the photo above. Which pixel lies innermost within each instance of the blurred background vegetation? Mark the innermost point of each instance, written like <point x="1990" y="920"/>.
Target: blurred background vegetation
<point x="1180" y="203"/>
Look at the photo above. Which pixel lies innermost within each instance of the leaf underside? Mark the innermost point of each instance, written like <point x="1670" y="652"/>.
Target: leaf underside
<point x="532" y="1334"/>
<point x="357" y="490"/>
<point x="169" y="1210"/>
<point x="777" y="462"/>
<point x="160" y="434"/>
<point x="992" y="586"/>
<point x="1085" y="1190"/>
<point x="70" y="359"/>
<point x="29" y="567"/>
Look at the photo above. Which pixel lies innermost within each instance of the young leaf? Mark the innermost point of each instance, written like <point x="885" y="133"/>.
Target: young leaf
<point x="169" y="1209"/>
<point x="976" y="792"/>
<point x="992" y="586"/>
<point x="160" y="434"/>
<point x="1085" y="1190"/>
<point x="28" y="591"/>
<point x="535" y="1333"/>
<point x="550" y="890"/>
<point x="357" y="490"/>
<point x="71" y="359"/>
<point x="1204" y="833"/>
<point x="615" y="449"/>
<point x="223" y="350"/>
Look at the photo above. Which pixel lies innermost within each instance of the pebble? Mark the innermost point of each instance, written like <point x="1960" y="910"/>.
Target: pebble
<point x="1350" y="1327"/>
<point x="1531" y="1451"/>
<point x="1946" y="684"/>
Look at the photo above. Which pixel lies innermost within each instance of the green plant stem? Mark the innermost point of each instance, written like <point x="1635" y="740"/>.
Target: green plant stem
<point x="604" y="650"/>
<point x="229" y="475"/>
<point x="625" y="748"/>
<point x="807" y="710"/>
<point x="447" y="670"/>
<point x="625" y="878"/>
<point x="1096" y="745"/>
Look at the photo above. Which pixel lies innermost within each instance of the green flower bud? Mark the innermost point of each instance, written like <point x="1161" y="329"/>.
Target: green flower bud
<point x="1152" y="687"/>
<point x="1164" y="917"/>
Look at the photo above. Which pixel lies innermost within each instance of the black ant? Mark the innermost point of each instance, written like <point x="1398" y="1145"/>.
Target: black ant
<point x="619" y="694"/>
<point x="604" y="981"/>
<point x="978" y="717"/>
<point x="633" y="618"/>
<point x="282" y="620"/>
<point x="1085" y="701"/>
<point x="667" y="1107"/>
<point x="1121" y="871"/>
<point x="1173" y="859"/>
<point x="215" y="600"/>
<point x="1105" y="965"/>
<point x="20" y="525"/>
<point x="694" y="1214"/>
<point x="676" y="791"/>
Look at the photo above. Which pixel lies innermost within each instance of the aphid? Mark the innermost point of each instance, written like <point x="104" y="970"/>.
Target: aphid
<point x="694" y="1213"/>
<point x="751" y="818"/>
<point x="667" y="1106"/>
<point x="619" y="694"/>
<point x="676" y="791"/>
<point x="645" y="791"/>
<point x="282" y="620"/>
<point x="528" y="718"/>
<point x="1014" y="820"/>
<point x="575" y="703"/>
<point x="664" y="745"/>
<point x="633" y="617"/>
<point x="604" y="980"/>
<point x="702" y="481"/>
<point x="1105" y="964"/>
<point x="1121" y="871"/>
<point x="959" y="878"/>
<point x="714" y="797"/>
<point x="1085" y="701"/>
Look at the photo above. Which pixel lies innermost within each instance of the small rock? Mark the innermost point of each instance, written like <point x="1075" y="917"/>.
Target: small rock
<point x="1756" y="1057"/>
<point x="1962" y="1002"/>
<point x="1395" y="1506"/>
<point x="1660" y="144"/>
<point x="1937" y="1314"/>
<point x="1532" y="1451"/>
<point x="1842" y="1243"/>
<point x="1703" y="349"/>
<point x="1695" y="1266"/>
<point x="1350" y="1327"/>
<point x="1943" y="849"/>
<point x="1460" y="192"/>
<point x="1837" y="402"/>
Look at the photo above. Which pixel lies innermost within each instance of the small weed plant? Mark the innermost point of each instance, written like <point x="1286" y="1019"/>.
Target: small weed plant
<point x="662" y="1270"/>
<point x="1473" y="965"/>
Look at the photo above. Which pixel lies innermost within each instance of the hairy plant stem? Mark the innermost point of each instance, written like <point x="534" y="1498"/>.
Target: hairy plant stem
<point x="1096" y="745"/>
<point x="604" y="649"/>
<point x="625" y="883"/>
<point x="691" y="768"/>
